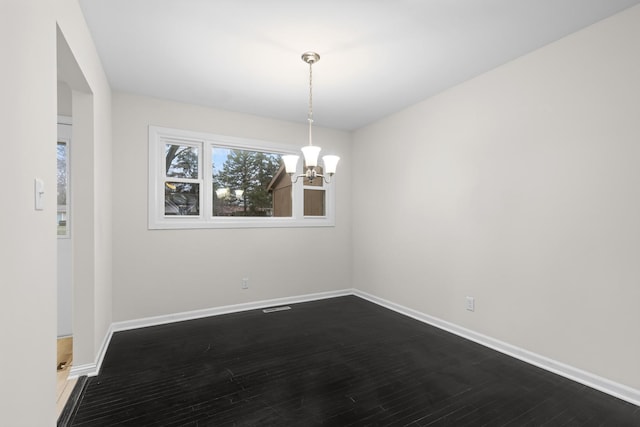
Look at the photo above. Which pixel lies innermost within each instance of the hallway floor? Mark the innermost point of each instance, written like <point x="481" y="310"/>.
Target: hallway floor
<point x="64" y="386"/>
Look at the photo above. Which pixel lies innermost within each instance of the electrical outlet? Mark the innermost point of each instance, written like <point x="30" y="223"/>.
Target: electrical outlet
<point x="471" y="304"/>
<point x="245" y="283"/>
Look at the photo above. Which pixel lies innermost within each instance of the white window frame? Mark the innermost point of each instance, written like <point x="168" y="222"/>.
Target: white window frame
<point x="159" y="136"/>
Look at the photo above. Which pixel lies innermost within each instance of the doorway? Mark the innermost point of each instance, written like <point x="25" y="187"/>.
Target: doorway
<point x="75" y="100"/>
<point x="63" y="224"/>
<point x="64" y="254"/>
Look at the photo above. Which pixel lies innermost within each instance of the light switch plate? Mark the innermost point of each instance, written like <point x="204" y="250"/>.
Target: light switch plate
<point x="39" y="194"/>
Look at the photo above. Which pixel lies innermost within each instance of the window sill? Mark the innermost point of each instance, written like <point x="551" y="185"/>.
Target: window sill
<point x="239" y="222"/>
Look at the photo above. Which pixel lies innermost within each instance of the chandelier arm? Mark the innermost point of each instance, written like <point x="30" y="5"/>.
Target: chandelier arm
<point x="326" y="178"/>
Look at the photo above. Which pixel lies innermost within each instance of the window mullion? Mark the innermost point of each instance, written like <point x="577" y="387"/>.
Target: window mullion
<point x="207" y="181"/>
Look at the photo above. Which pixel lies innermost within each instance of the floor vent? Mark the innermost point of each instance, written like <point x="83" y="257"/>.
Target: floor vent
<point x="274" y="309"/>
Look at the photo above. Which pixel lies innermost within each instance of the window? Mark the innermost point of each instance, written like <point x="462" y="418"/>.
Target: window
<point x="241" y="181"/>
<point x="181" y="179"/>
<point x="199" y="180"/>
<point x="62" y="214"/>
<point x="314" y="196"/>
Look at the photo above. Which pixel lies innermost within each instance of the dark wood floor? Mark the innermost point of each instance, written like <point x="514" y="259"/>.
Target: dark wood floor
<point x="336" y="362"/>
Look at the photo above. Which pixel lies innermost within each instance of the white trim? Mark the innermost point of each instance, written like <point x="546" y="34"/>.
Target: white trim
<point x="604" y="385"/>
<point x="226" y="309"/>
<point x="588" y="379"/>
<point x="65" y="120"/>
<point x="88" y="369"/>
<point x="93" y="369"/>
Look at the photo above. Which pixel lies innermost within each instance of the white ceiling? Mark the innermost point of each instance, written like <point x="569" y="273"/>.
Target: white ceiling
<point x="377" y="56"/>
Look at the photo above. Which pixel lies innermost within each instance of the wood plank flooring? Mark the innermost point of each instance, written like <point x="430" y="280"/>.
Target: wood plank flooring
<point x="64" y="386"/>
<point x="336" y="362"/>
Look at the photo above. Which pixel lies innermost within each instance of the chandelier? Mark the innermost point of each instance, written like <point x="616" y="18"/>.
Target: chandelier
<point x="311" y="152"/>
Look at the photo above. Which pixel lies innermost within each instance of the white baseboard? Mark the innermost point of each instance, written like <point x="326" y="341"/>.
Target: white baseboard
<point x="612" y="388"/>
<point x="226" y="309"/>
<point x="93" y="369"/>
<point x="604" y="385"/>
<point x="88" y="369"/>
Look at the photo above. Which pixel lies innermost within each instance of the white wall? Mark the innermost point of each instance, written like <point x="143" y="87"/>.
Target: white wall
<point x="28" y="109"/>
<point x="520" y="188"/>
<point x="28" y="261"/>
<point x="159" y="272"/>
<point x="91" y="184"/>
<point x="64" y="99"/>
